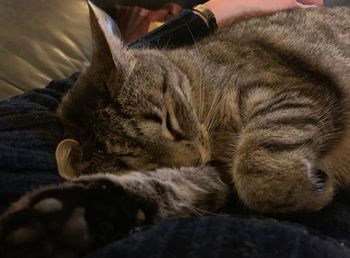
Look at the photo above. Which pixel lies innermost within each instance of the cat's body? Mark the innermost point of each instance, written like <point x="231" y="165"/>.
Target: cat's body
<point x="267" y="98"/>
<point x="254" y="62"/>
<point x="264" y="73"/>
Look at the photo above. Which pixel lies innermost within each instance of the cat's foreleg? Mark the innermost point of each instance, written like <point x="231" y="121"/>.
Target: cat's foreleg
<point x="69" y="219"/>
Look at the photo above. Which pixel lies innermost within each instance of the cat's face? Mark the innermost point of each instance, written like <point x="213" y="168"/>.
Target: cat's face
<point x="130" y="110"/>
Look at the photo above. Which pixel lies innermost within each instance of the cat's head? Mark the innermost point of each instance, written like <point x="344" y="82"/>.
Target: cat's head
<point x="131" y="109"/>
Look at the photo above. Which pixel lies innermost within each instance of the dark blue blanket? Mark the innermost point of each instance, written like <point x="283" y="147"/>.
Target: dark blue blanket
<point x="29" y="133"/>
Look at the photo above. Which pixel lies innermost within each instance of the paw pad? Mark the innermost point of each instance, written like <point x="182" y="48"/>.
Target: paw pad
<point x="76" y="228"/>
<point x="22" y="236"/>
<point x="48" y="205"/>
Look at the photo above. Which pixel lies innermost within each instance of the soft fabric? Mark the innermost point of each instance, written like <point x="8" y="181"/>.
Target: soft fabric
<point x="222" y="237"/>
<point x="29" y="133"/>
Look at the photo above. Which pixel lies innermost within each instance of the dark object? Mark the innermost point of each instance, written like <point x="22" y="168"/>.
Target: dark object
<point x="208" y="15"/>
<point x="187" y="28"/>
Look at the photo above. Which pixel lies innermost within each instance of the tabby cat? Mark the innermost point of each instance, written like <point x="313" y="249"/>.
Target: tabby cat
<point x="267" y="99"/>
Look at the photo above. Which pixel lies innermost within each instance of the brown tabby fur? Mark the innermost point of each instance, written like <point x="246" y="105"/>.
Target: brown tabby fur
<point x="268" y="98"/>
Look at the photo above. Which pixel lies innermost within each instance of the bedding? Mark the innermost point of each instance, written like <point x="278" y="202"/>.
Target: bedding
<point x="29" y="133"/>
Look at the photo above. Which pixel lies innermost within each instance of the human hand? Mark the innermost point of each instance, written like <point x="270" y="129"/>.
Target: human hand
<point x="228" y="11"/>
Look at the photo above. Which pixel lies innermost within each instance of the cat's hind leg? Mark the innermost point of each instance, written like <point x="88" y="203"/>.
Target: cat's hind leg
<point x="275" y="168"/>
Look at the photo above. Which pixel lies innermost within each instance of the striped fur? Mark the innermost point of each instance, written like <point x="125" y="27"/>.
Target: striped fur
<point x="268" y="98"/>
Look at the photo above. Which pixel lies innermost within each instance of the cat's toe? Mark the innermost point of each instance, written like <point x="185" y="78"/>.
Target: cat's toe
<point x="48" y="205"/>
<point x="23" y="235"/>
<point x="140" y="216"/>
<point x="75" y="230"/>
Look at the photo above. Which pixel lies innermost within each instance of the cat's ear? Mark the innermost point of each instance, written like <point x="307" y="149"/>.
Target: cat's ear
<point x="68" y="156"/>
<point x="106" y="43"/>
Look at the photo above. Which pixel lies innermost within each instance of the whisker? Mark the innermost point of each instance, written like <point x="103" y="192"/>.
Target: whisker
<point x="211" y="120"/>
<point x="201" y="73"/>
<point x="199" y="211"/>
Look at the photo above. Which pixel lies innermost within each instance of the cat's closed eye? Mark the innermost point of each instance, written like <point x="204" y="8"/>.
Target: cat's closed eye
<point x="178" y="136"/>
<point x="153" y="117"/>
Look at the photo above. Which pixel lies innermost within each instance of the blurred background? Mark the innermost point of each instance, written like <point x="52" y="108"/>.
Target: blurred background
<point x="41" y="40"/>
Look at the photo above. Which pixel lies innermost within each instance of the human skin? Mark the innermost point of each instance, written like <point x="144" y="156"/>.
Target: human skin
<point x="228" y="11"/>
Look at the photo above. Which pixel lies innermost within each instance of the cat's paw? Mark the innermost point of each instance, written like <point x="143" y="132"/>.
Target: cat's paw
<point x="69" y="220"/>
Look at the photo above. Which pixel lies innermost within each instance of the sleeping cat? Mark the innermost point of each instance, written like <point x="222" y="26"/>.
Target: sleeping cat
<point x="266" y="99"/>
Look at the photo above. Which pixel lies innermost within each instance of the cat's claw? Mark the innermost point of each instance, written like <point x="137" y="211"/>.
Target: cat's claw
<point x="68" y="221"/>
